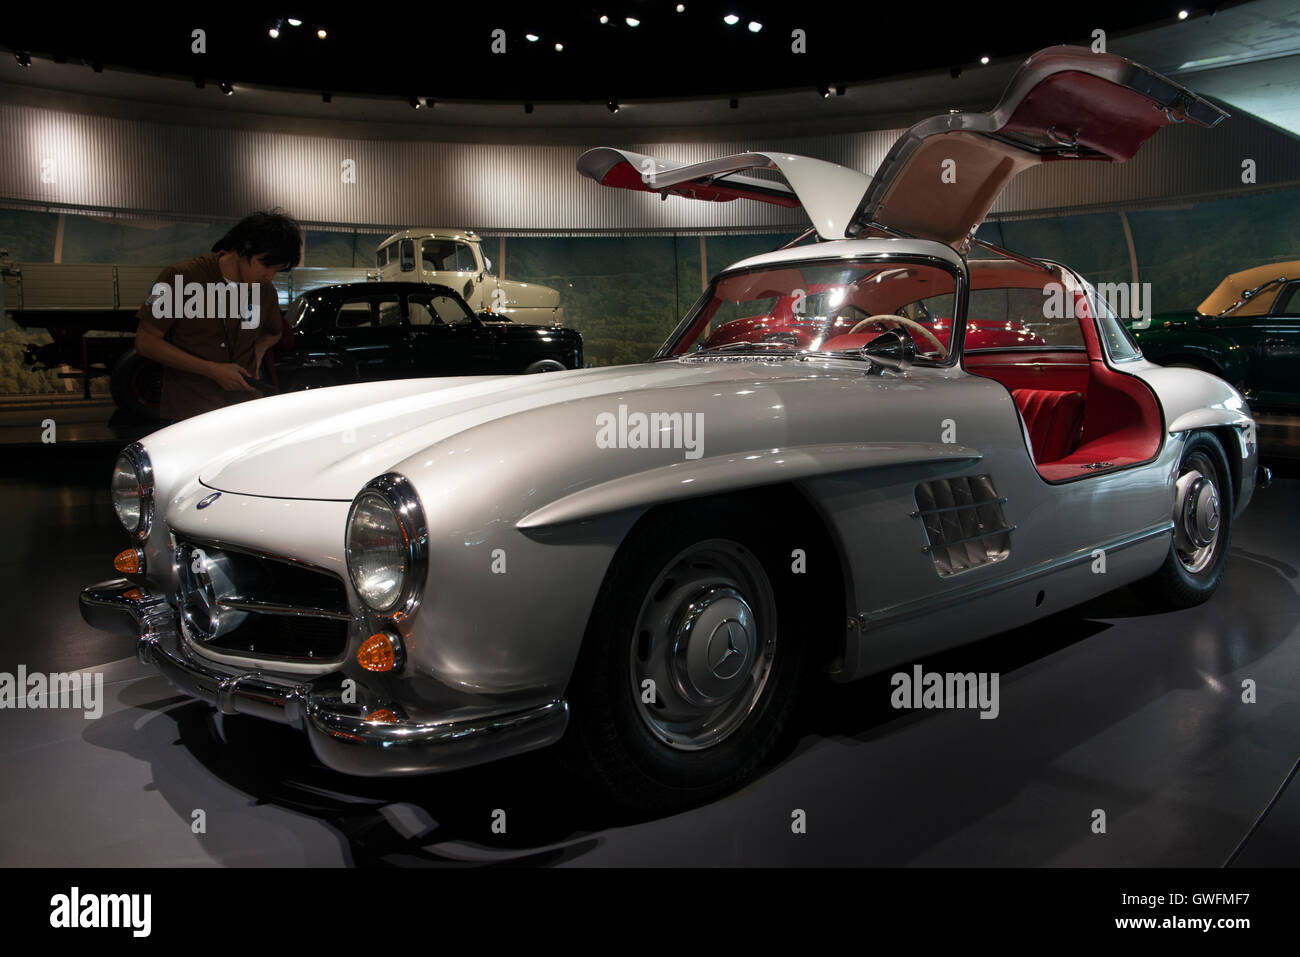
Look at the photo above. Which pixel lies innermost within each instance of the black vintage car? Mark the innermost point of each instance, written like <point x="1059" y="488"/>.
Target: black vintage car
<point x="359" y="332"/>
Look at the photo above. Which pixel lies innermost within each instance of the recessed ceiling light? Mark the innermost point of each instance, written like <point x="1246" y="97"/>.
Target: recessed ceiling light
<point x="604" y="19"/>
<point x="294" y="23"/>
<point x="531" y="37"/>
<point x="321" y="33"/>
<point x="612" y="106"/>
<point x="1183" y="14"/>
<point x="632" y="22"/>
<point x="731" y="19"/>
<point x="755" y="26"/>
<point x="274" y="32"/>
<point x="559" y="47"/>
<point x="227" y="89"/>
<point x="681" y="8"/>
<point x="824" y="90"/>
<point x="984" y="60"/>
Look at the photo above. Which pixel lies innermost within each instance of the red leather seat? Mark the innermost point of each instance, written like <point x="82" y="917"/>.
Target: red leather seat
<point x="1053" y="419"/>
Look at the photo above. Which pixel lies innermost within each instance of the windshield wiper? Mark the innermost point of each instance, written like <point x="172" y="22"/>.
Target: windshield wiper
<point x="737" y="346"/>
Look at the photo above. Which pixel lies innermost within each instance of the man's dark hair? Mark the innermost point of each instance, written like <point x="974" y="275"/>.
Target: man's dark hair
<point x="272" y="235"/>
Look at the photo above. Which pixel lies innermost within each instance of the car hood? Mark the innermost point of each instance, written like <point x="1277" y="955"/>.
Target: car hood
<point x="325" y="444"/>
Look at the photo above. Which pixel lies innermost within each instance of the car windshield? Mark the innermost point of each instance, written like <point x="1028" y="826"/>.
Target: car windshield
<point x="819" y="307"/>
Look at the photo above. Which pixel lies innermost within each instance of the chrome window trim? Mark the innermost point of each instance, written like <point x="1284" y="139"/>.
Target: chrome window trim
<point x="397" y="490"/>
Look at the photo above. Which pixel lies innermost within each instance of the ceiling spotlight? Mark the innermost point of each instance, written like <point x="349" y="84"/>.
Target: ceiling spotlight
<point x="604" y="19"/>
<point x="824" y="90"/>
<point x="414" y="102"/>
<point x="632" y="22"/>
<point x="984" y="60"/>
<point x="24" y="59"/>
<point x="731" y="19"/>
<point x="274" y="32"/>
<point x="612" y="106"/>
<point x="1183" y="14"/>
<point x="755" y="26"/>
<point x="531" y="37"/>
<point x="294" y="23"/>
<point x="321" y="33"/>
<point x="681" y="8"/>
<point x="559" y="48"/>
<point x="326" y="96"/>
<point x="528" y="107"/>
<point x="734" y="104"/>
<point x="226" y="88"/>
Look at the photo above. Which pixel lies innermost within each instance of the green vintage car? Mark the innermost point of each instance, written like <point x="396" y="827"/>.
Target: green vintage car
<point x="1247" y="331"/>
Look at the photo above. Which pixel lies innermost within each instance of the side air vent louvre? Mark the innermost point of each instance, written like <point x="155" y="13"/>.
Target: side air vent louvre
<point x="964" y="524"/>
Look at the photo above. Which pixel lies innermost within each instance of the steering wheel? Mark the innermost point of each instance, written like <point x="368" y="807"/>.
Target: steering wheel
<point x="910" y="323"/>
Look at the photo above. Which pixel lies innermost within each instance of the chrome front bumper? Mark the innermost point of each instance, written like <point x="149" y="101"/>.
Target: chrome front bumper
<point x="340" y="734"/>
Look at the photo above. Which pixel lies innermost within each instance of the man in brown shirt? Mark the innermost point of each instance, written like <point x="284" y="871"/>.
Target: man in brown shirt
<point x="209" y="326"/>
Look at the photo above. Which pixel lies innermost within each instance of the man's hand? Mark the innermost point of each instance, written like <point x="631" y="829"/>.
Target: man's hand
<point x="229" y="375"/>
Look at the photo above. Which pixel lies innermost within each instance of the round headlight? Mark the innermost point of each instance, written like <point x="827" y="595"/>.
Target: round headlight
<point x="132" y="490"/>
<point x="378" y="551"/>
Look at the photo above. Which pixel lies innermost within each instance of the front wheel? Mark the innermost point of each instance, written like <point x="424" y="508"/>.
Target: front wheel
<point x="545" y="365"/>
<point x="690" y="666"/>
<point x="1202" y="515"/>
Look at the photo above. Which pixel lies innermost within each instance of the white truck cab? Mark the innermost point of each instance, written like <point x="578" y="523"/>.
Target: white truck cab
<point x="454" y="258"/>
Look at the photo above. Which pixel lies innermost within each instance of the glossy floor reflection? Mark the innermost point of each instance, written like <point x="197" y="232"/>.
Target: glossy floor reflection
<point x="1102" y="707"/>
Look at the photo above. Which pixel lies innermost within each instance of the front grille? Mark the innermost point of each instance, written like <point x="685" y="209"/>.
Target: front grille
<point x="964" y="524"/>
<point x="258" y="605"/>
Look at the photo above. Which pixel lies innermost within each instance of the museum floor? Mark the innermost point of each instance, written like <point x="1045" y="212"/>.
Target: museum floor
<point x="1103" y="707"/>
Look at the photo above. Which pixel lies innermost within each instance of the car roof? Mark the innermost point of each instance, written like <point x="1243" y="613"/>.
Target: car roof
<point x="853" y="249"/>
<point x="432" y="232"/>
<point x="380" y="287"/>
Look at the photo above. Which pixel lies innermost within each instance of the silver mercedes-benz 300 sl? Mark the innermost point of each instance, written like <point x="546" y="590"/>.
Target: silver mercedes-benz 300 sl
<point x="852" y="452"/>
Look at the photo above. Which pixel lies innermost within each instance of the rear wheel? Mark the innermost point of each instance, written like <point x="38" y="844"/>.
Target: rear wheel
<point x="1202" y="515"/>
<point x="691" y="663"/>
<point x="545" y="365"/>
<point x="136" y="385"/>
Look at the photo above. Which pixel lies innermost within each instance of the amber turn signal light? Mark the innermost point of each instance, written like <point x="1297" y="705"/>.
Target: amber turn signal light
<point x="380" y="652"/>
<point x="128" y="561"/>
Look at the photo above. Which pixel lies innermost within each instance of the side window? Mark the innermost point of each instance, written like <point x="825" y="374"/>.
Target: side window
<point x="369" y="314"/>
<point x="450" y="310"/>
<point x="381" y="257"/>
<point x="1288" y="302"/>
<point x="353" y="315"/>
<point x="439" y="255"/>
<point x="465" y="261"/>
<point x="1046" y="318"/>
<point x="420" y="314"/>
<point x="408" y="255"/>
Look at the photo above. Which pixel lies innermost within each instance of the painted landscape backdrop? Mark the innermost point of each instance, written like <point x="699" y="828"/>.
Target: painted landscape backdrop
<point x="626" y="293"/>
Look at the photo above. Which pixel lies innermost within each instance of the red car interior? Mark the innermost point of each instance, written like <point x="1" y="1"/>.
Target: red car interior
<point x="1082" y="417"/>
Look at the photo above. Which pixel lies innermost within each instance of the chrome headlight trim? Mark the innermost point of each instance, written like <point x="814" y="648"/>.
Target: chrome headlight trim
<point x="135" y="454"/>
<point x="399" y="493"/>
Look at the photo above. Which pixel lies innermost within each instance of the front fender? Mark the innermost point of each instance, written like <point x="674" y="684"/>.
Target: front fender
<point x="1189" y="344"/>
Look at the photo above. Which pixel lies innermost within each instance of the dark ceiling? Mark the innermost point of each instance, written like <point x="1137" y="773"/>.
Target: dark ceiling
<point x="670" y="55"/>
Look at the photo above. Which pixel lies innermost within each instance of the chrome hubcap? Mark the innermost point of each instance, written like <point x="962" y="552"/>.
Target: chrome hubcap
<point x="703" y="645"/>
<point x="1197" y="513"/>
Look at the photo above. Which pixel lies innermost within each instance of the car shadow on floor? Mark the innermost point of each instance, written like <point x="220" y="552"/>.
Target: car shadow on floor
<point x="448" y="819"/>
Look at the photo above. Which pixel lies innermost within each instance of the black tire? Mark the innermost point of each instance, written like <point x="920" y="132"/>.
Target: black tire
<point x="610" y="741"/>
<point x="545" y="365"/>
<point x="136" y="385"/>
<point x="1190" y="575"/>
